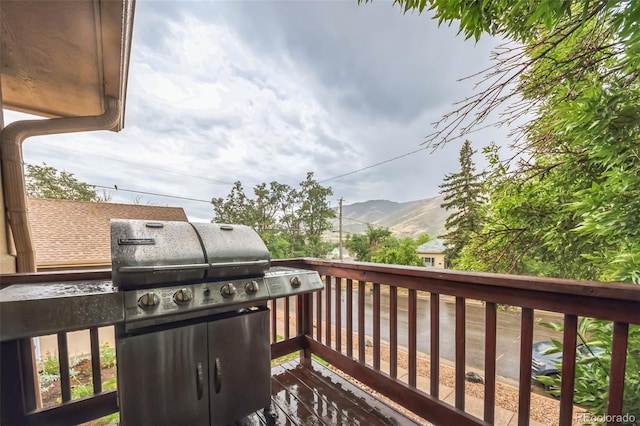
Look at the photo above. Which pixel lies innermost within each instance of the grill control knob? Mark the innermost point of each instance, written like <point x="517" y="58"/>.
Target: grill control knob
<point x="251" y="287"/>
<point x="295" y="281"/>
<point x="149" y="301"/>
<point x="183" y="296"/>
<point x="228" y="290"/>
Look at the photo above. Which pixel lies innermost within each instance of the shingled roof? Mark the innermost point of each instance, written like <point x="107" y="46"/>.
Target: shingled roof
<point x="434" y="246"/>
<point x="76" y="234"/>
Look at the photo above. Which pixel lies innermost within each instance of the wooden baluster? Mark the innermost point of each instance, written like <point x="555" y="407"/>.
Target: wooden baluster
<point x="569" y="341"/>
<point x="376" y="326"/>
<point x="349" y="301"/>
<point x="413" y="336"/>
<point x="318" y="298"/>
<point x="338" y="314"/>
<point x="435" y="344"/>
<point x="490" y="323"/>
<point x="526" y="344"/>
<point x="304" y="323"/>
<point x="274" y="321"/>
<point x="286" y="317"/>
<point x="460" y="351"/>
<point x="361" y="329"/>
<point x="63" y="360"/>
<point x="328" y="310"/>
<point x="96" y="370"/>
<point x="616" y="378"/>
<point x="393" y="331"/>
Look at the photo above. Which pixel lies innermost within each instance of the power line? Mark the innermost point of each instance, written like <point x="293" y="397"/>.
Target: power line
<point x="116" y="188"/>
<point x="359" y="221"/>
<point x="376" y="164"/>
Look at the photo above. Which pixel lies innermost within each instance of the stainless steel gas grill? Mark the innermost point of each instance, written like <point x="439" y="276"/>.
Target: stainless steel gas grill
<point x="194" y="345"/>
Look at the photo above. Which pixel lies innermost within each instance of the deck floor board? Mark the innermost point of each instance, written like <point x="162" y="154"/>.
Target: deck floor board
<point x="317" y="396"/>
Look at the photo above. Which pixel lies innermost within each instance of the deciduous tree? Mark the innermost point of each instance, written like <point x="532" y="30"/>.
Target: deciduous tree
<point x="47" y="182"/>
<point x="290" y="221"/>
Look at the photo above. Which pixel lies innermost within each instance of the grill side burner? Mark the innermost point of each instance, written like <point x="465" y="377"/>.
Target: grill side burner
<point x="194" y="346"/>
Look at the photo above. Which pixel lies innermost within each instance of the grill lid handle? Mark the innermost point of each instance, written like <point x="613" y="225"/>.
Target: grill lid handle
<point x="157" y="268"/>
<point x="263" y="262"/>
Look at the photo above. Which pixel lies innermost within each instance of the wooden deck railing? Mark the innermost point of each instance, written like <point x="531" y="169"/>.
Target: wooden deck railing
<point x="337" y="329"/>
<point x="619" y="303"/>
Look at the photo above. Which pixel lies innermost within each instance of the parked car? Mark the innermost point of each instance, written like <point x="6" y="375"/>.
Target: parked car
<point x="550" y="364"/>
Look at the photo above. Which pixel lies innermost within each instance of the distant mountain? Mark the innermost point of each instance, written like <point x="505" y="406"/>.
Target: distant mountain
<point x="402" y="219"/>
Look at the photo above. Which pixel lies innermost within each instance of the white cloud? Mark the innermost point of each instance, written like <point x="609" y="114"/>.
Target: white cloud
<point x="222" y="91"/>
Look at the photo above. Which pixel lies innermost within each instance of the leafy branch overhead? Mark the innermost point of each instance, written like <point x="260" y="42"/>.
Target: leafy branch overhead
<point x="564" y="201"/>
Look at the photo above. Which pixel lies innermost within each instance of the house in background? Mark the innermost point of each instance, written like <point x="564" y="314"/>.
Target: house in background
<point x="432" y="253"/>
<point x="335" y="254"/>
<point x="76" y="235"/>
<point x="73" y="235"/>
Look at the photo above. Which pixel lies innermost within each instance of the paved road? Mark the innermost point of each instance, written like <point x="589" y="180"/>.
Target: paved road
<point x="508" y="330"/>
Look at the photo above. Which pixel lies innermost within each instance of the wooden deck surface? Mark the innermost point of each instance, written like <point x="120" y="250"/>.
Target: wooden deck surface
<point x="318" y="396"/>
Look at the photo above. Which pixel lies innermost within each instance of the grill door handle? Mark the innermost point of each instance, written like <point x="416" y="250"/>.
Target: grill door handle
<point x="199" y="380"/>
<point x="217" y="375"/>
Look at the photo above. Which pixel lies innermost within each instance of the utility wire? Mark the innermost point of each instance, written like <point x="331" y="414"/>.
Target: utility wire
<point x="376" y="164"/>
<point x="359" y="221"/>
<point x="116" y="188"/>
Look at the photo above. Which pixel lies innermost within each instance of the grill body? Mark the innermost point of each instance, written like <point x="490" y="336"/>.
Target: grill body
<point x="194" y="347"/>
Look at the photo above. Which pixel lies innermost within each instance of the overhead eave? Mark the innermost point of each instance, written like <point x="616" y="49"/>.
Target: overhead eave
<point x="64" y="58"/>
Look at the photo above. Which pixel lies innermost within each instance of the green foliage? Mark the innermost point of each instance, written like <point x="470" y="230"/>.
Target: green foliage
<point x="378" y="245"/>
<point x="397" y="252"/>
<point x="111" y="419"/>
<point x="79" y="390"/>
<point x="50" y="365"/>
<point x="592" y="373"/>
<point x="49" y="372"/>
<point x="526" y="229"/>
<point x="290" y="221"/>
<point x="107" y="356"/>
<point x="526" y="21"/>
<point x="424" y="238"/>
<point x="568" y="207"/>
<point x="47" y="182"/>
<point x="364" y="245"/>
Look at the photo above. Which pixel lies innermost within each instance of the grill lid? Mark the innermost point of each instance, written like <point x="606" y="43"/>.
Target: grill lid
<point x="232" y="250"/>
<point x="163" y="252"/>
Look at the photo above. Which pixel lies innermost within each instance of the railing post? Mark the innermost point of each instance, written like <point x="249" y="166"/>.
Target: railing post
<point x="304" y="316"/>
<point x="18" y="386"/>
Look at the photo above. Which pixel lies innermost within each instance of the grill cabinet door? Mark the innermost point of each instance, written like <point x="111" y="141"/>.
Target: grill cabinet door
<point x="162" y="377"/>
<point x="240" y="366"/>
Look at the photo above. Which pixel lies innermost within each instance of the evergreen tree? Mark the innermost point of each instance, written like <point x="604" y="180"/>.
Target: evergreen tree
<point x="462" y="194"/>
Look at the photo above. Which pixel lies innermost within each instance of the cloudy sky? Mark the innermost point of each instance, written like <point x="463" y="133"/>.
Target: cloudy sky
<point x="263" y="91"/>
